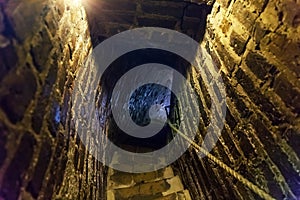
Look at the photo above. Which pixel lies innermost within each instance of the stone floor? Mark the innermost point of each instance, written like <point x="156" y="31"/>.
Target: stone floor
<point x="161" y="184"/>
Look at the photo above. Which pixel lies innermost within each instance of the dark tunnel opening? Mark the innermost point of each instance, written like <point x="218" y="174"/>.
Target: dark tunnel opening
<point x="142" y="98"/>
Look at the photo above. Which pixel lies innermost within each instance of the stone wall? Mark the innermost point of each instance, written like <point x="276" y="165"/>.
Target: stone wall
<point x="42" y="43"/>
<point x="256" y="48"/>
<point x="109" y="17"/>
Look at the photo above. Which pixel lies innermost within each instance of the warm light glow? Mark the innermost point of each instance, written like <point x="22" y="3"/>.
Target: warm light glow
<point x="77" y="2"/>
<point x="74" y="2"/>
<point x="92" y="5"/>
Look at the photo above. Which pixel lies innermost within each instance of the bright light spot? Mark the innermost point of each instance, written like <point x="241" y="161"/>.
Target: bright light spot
<point x="77" y="2"/>
<point x="74" y="2"/>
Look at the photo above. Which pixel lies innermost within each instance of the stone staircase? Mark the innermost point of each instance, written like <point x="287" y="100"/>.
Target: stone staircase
<point x="157" y="185"/>
<point x="161" y="184"/>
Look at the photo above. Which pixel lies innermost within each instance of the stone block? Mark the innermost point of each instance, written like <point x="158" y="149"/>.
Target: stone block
<point x="51" y="22"/>
<point x="113" y="29"/>
<point x="274" y="152"/>
<point x="238" y="43"/>
<point x="8" y="58"/>
<point x="115" y="5"/>
<point x="293" y="138"/>
<point x="287" y="92"/>
<point x="59" y="7"/>
<point x="126" y="193"/>
<point x="168" y="197"/>
<point x="276" y="44"/>
<point x="13" y="177"/>
<point x="238" y="100"/>
<point x="258" y="64"/>
<point x="147" y="21"/>
<point x="57" y="167"/>
<point x="35" y="184"/>
<point x="39" y="114"/>
<point x="244" y="143"/>
<point x="121" y="178"/>
<point x="258" y="98"/>
<point x="259" y="32"/>
<point x="153" y="188"/>
<point x="25" y="17"/>
<point x="43" y="100"/>
<point x="230" y="144"/>
<point x="244" y="15"/>
<point x="173" y="185"/>
<point x="18" y="90"/>
<point x="163" y="8"/>
<point x="40" y="50"/>
<point x="291" y="13"/>
<point x="273" y="185"/>
<point x="142" y="177"/>
<point x="270" y="16"/>
<point x="230" y="120"/>
<point x="285" y="50"/>
<point x="226" y="57"/>
<point x="224" y="3"/>
<point x="120" y="17"/>
<point x="259" y="5"/>
<point x="225" y="26"/>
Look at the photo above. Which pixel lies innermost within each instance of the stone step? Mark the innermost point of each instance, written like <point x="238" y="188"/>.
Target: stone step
<point x="170" y="188"/>
<point x="146" y="162"/>
<point x="181" y="195"/>
<point x="119" y="179"/>
<point x="160" y="184"/>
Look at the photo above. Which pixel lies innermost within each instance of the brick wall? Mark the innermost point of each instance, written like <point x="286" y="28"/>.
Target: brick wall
<point x="109" y="17"/>
<point x="42" y="43"/>
<point x="255" y="46"/>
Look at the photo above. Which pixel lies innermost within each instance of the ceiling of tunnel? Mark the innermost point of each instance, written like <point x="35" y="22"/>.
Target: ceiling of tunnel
<point x="107" y="18"/>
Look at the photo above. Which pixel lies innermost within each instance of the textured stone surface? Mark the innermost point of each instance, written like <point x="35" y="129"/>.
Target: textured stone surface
<point x="184" y="16"/>
<point x="41" y="44"/>
<point x="254" y="44"/>
<point x="160" y="184"/>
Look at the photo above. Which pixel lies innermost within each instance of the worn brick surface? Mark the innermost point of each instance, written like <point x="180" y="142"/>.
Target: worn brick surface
<point x="124" y="15"/>
<point x="18" y="89"/>
<point x="161" y="184"/>
<point x="254" y="44"/>
<point x="41" y="44"/>
<point x="13" y="179"/>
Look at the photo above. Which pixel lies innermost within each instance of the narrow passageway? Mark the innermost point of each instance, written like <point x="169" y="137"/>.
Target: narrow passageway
<point x="146" y="103"/>
<point x="64" y="134"/>
<point x="160" y="184"/>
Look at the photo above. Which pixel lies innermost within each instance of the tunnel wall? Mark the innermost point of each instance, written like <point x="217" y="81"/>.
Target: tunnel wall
<point x="42" y="43"/>
<point x="255" y="46"/>
<point x="110" y="17"/>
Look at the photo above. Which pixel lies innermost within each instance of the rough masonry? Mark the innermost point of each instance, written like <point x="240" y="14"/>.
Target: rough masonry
<point x="255" y="46"/>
